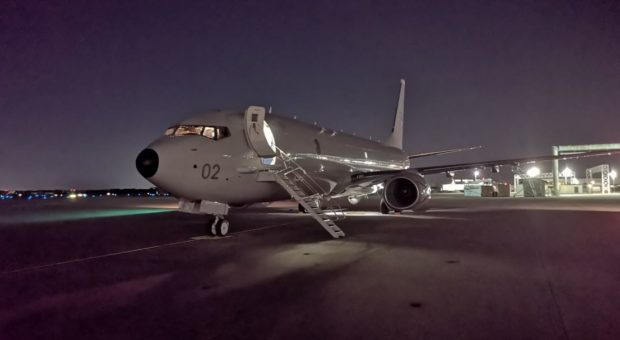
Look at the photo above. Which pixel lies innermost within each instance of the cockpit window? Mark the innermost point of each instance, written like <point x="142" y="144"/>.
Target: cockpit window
<point x="170" y="131"/>
<point x="211" y="132"/>
<point x="185" y="130"/>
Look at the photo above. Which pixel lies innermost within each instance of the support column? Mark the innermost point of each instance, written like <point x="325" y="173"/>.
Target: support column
<point x="556" y="175"/>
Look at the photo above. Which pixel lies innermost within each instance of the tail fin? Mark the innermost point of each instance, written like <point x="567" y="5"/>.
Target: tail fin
<point x="396" y="138"/>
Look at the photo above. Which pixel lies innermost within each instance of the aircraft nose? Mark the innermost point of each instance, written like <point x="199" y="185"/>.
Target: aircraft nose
<point x="147" y="163"/>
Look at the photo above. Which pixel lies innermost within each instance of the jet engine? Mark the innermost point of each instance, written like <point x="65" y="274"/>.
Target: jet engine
<point x="406" y="190"/>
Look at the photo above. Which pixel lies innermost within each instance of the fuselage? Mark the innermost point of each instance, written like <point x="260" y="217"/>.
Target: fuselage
<point x="220" y="164"/>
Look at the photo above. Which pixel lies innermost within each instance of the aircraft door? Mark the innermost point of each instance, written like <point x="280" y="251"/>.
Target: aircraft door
<point x="259" y="133"/>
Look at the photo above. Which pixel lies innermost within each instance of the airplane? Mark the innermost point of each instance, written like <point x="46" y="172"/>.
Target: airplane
<point x="223" y="159"/>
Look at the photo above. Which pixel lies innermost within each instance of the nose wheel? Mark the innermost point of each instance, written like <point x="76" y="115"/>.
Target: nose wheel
<point x="219" y="226"/>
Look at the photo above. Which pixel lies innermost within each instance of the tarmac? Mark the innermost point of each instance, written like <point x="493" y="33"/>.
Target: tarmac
<point x="466" y="268"/>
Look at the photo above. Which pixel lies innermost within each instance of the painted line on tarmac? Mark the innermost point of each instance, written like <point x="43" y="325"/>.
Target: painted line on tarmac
<point x="261" y="228"/>
<point x="96" y="257"/>
<point x="90" y="258"/>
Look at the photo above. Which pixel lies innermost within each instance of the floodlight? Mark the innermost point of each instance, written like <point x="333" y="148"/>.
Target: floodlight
<point x="533" y="172"/>
<point x="567" y="172"/>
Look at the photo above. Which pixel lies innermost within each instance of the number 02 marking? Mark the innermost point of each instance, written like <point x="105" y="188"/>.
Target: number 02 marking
<point x="210" y="172"/>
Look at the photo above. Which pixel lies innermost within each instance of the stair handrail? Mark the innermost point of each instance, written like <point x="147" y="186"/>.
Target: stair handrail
<point x="332" y="205"/>
<point x="313" y="186"/>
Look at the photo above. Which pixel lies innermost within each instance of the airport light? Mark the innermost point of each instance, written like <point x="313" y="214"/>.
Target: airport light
<point x="613" y="174"/>
<point x="566" y="173"/>
<point x="476" y="174"/>
<point x="533" y="172"/>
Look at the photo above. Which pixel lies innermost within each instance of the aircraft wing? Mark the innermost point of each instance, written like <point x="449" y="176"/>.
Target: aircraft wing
<point x="514" y="161"/>
<point x="443" y="152"/>
<point x="364" y="182"/>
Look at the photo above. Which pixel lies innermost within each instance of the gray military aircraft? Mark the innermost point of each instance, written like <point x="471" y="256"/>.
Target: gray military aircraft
<point x="221" y="159"/>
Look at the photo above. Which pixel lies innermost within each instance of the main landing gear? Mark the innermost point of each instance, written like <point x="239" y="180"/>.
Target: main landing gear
<point x="218" y="226"/>
<point x="384" y="209"/>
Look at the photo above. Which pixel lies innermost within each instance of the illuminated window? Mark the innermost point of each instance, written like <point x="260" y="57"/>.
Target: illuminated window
<point x="209" y="132"/>
<point x="185" y="130"/>
<point x="170" y="131"/>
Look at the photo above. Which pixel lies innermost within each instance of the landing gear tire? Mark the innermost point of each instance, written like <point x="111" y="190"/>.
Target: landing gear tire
<point x="220" y="227"/>
<point x="209" y="225"/>
<point x="383" y="208"/>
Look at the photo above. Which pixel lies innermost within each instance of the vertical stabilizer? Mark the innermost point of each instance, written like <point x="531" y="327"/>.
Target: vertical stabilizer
<point x="396" y="138"/>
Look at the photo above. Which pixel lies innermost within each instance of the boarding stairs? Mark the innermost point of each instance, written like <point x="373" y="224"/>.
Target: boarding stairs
<point x="309" y="194"/>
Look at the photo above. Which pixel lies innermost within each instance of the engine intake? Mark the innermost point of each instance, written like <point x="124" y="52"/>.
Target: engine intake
<point x="405" y="191"/>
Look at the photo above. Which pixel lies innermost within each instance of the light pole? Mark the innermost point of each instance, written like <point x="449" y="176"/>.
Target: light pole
<point x="613" y="175"/>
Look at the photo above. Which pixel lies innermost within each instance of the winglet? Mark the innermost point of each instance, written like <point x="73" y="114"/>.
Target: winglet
<point x="396" y="138"/>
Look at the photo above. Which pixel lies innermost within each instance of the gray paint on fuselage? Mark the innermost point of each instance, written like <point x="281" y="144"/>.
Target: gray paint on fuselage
<point x="341" y="154"/>
<point x="237" y="180"/>
<point x="297" y="137"/>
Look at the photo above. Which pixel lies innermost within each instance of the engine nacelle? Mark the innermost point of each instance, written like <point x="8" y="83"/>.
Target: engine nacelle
<point x="406" y="190"/>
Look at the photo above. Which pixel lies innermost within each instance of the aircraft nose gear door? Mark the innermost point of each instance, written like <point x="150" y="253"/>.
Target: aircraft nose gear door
<point x="258" y="133"/>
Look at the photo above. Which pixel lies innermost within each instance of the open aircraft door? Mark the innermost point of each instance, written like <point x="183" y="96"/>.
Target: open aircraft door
<point x="259" y="133"/>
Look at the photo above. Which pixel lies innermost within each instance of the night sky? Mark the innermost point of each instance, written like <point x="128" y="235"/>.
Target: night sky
<point x="85" y="85"/>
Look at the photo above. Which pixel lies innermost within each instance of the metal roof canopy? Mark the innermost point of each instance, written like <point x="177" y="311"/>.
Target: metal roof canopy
<point x="568" y="149"/>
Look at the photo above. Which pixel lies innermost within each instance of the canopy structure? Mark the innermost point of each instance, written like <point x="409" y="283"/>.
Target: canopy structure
<point x="571" y="149"/>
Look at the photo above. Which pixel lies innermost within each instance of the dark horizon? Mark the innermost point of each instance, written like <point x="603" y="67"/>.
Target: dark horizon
<point x="85" y="86"/>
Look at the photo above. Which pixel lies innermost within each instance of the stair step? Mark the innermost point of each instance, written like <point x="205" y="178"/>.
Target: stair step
<point x="309" y="202"/>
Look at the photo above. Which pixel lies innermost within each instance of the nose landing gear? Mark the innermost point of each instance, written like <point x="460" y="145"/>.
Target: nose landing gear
<point x="218" y="226"/>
